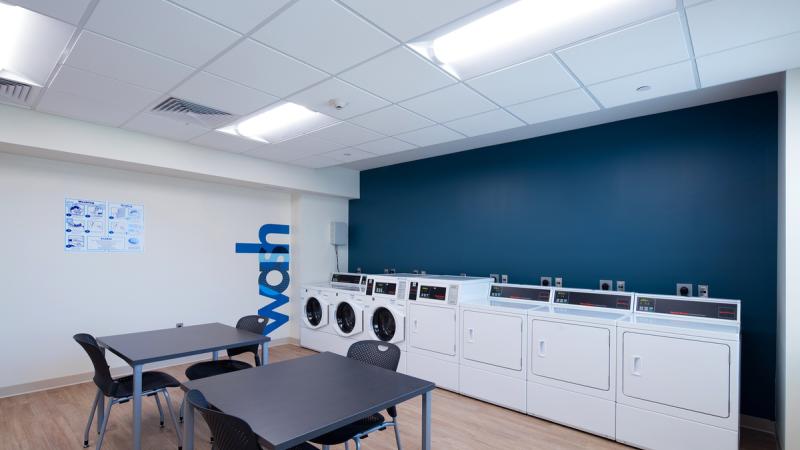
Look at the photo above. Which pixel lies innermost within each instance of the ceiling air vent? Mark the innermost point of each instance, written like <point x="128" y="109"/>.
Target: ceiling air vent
<point x="15" y="92"/>
<point x="186" y="111"/>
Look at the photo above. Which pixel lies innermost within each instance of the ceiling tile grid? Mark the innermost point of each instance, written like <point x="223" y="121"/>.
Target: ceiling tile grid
<point x="386" y="146"/>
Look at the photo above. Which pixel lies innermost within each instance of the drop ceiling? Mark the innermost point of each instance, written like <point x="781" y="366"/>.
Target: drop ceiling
<point x="125" y="57"/>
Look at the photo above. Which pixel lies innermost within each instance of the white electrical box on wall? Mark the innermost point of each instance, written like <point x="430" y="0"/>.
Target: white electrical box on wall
<point x="338" y="233"/>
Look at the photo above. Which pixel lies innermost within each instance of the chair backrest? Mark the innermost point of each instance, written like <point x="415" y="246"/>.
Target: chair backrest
<point x="253" y="324"/>
<point x="376" y="353"/>
<point x="102" y="374"/>
<point x="230" y="432"/>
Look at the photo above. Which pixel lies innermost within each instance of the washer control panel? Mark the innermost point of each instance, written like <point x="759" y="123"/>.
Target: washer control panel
<point x="688" y="307"/>
<point x="593" y="299"/>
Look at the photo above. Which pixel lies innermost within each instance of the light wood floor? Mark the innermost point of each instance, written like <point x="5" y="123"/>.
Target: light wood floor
<point x="54" y="419"/>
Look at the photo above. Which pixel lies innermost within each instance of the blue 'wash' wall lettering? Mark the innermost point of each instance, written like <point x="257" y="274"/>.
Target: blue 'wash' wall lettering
<point x="684" y="196"/>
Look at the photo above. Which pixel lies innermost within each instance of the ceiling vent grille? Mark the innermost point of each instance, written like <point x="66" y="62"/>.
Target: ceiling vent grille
<point x="184" y="111"/>
<point x="15" y="92"/>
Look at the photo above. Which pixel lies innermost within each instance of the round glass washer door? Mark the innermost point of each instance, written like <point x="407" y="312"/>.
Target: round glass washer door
<point x="383" y="324"/>
<point x="313" y="311"/>
<point x="345" y="317"/>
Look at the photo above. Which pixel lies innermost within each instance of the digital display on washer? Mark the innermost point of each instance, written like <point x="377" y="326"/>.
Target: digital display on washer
<point x="385" y="288"/>
<point x="593" y="299"/>
<point x="688" y="308"/>
<point x="432" y="292"/>
<point x="346" y="278"/>
<point x="520" y="293"/>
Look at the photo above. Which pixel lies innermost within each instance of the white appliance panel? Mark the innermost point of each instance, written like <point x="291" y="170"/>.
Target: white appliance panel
<point x="577" y="354"/>
<point x="495" y="339"/>
<point x="433" y="328"/>
<point x="651" y="430"/>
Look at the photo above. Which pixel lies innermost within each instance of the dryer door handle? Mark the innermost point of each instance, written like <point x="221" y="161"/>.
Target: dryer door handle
<point x="541" y="348"/>
<point x="471" y="334"/>
<point x="416" y="325"/>
<point x="637" y="366"/>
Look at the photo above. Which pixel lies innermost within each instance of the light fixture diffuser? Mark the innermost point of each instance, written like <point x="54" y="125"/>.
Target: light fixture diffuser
<point x="279" y="123"/>
<point x="524" y="29"/>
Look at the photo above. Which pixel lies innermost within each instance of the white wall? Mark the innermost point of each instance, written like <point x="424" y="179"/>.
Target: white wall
<point x="313" y="257"/>
<point x="788" y="348"/>
<point x="188" y="273"/>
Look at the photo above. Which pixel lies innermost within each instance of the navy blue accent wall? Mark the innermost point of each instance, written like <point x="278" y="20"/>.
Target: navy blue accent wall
<point x="683" y="196"/>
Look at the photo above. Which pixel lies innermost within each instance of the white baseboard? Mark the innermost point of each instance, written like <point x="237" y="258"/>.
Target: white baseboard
<point x="757" y="423"/>
<point x="68" y="380"/>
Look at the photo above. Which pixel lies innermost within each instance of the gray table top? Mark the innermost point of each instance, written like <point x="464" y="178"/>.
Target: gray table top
<point x="290" y="402"/>
<point x="170" y="343"/>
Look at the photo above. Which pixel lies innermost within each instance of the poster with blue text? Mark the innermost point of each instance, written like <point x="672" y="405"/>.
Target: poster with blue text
<point x="99" y="226"/>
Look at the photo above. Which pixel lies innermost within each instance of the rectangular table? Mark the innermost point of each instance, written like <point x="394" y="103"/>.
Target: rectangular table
<point x="293" y="401"/>
<point x="138" y="349"/>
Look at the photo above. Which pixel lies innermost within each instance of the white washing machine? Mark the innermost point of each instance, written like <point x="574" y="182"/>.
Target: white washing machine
<point x="494" y="336"/>
<point x="385" y="312"/>
<point x="678" y="366"/>
<point x="433" y="322"/>
<point x="572" y="358"/>
<point x="318" y="328"/>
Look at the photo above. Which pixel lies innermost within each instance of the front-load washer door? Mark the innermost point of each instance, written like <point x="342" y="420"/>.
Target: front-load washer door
<point x="348" y="319"/>
<point x="387" y="325"/>
<point x="576" y="354"/>
<point x="315" y="312"/>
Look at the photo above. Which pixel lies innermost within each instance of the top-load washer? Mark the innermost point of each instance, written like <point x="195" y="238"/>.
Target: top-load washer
<point x="433" y="335"/>
<point x="494" y="335"/>
<point x="678" y="374"/>
<point x="572" y="358"/>
<point x="318" y="323"/>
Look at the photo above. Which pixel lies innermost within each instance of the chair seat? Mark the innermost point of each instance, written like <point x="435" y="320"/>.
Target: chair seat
<point x="347" y="432"/>
<point x="150" y="381"/>
<point x="207" y="369"/>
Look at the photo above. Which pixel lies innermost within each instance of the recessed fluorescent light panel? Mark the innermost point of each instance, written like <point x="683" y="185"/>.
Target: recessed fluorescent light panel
<point x="30" y="44"/>
<point x="279" y="123"/>
<point x="523" y="29"/>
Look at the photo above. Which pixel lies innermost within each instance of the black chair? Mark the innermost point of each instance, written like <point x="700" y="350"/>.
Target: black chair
<point x="205" y="369"/>
<point x="230" y="432"/>
<point x="376" y="353"/>
<point x="120" y="390"/>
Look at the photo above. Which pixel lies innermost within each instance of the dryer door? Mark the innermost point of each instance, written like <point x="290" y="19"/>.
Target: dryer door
<point x="433" y="328"/>
<point x="494" y="339"/>
<point x="684" y="373"/>
<point x="577" y="354"/>
<point x="348" y="319"/>
<point x="315" y="311"/>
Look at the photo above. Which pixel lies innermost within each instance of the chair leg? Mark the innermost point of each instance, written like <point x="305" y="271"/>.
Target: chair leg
<point x="180" y="414"/>
<point x="326" y="447"/>
<point x="397" y="435"/>
<point x="358" y="443"/>
<point x="91" y="418"/>
<point x="346" y="445"/>
<point x="172" y="416"/>
<point x="160" y="411"/>
<point x="104" y="425"/>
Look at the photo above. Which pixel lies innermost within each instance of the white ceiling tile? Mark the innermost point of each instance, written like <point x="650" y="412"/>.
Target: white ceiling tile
<point x="69" y="11"/>
<point x="452" y="102"/>
<point x="294" y="149"/>
<point x="260" y="67"/>
<point x="642" y="47"/>
<point x="164" y="127"/>
<point x="693" y="2"/>
<point x="386" y="146"/>
<point x="241" y="16"/>
<point x="226" y="142"/>
<point x="70" y="105"/>
<point x="398" y="75"/>
<point x="724" y="24"/>
<point x="115" y="59"/>
<point x="349" y="154"/>
<point x="324" y="34"/>
<point x="411" y="18"/>
<point x="430" y="136"/>
<point x="162" y="28"/>
<point x="346" y="133"/>
<point x="358" y="100"/>
<point x="554" y="107"/>
<point x="36" y="50"/>
<point x="316" y="162"/>
<point x="662" y="81"/>
<point x="765" y="57"/>
<point x="529" y="80"/>
<point x="210" y="90"/>
<point x="484" y="123"/>
<point x="392" y="120"/>
<point x="102" y="89"/>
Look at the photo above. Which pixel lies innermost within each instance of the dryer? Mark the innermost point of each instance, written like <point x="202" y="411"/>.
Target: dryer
<point x="494" y="336"/>
<point x="317" y="330"/>
<point x="678" y="366"/>
<point x="385" y="312"/>
<point x="572" y="358"/>
<point x="433" y="335"/>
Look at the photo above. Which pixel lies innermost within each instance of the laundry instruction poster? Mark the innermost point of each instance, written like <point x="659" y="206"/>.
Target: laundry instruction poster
<point x="98" y="226"/>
